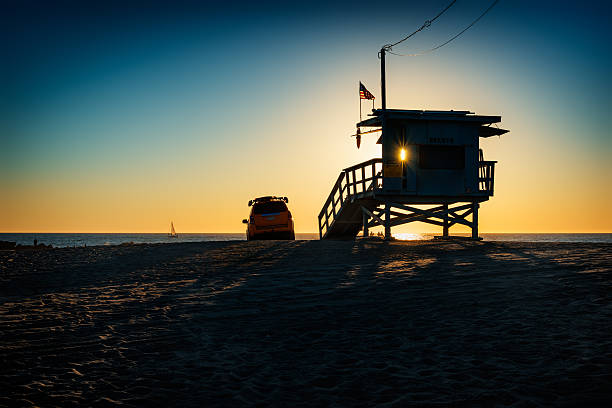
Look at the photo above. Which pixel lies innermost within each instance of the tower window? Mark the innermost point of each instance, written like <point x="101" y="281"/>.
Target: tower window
<point x="441" y="157"/>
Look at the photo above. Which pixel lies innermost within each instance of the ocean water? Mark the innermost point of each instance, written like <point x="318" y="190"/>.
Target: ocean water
<point x="71" y="240"/>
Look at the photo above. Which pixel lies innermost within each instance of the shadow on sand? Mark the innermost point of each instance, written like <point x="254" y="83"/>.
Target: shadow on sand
<point x="357" y="323"/>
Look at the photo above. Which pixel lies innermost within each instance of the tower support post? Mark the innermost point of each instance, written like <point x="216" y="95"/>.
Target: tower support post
<point x="387" y="221"/>
<point x="475" y="206"/>
<point x="366" y="231"/>
<point x="445" y="226"/>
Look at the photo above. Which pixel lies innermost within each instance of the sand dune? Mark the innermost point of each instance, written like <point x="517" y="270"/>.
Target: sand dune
<point x="307" y="323"/>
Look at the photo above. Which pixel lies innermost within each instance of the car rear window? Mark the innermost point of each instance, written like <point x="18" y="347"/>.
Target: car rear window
<point x="269" y="207"/>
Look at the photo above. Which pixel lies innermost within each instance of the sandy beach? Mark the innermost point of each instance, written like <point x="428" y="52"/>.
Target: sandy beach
<point x="308" y="323"/>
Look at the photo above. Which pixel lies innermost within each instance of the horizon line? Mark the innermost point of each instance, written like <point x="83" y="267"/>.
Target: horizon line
<point x="242" y="232"/>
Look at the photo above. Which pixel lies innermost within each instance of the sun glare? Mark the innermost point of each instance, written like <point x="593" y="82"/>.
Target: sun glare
<point x="405" y="236"/>
<point x="403" y="154"/>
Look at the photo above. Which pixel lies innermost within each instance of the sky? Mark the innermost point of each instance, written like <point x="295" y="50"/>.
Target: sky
<point x="122" y="118"/>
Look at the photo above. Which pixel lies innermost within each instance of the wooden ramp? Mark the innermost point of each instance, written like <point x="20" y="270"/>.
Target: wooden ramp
<point x="356" y="187"/>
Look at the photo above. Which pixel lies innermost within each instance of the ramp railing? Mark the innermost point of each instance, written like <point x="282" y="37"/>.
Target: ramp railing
<point x="486" y="175"/>
<point x="352" y="183"/>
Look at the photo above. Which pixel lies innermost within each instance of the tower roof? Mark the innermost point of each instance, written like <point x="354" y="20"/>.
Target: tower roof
<point x="430" y="115"/>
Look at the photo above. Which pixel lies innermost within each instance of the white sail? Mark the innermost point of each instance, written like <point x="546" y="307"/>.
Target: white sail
<point x="172" y="233"/>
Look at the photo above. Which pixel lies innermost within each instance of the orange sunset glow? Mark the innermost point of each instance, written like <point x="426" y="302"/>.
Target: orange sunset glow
<point x="115" y="143"/>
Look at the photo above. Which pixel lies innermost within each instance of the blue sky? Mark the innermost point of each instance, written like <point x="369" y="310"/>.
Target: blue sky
<point x="114" y="94"/>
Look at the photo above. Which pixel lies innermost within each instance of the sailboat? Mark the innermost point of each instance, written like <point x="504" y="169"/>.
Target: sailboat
<point x="172" y="233"/>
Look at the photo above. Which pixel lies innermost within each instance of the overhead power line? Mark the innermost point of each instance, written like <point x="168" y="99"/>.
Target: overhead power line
<point x="426" y="24"/>
<point x="449" y="40"/>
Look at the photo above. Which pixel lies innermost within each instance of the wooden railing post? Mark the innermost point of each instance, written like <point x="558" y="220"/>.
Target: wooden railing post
<point x="348" y="184"/>
<point x="363" y="177"/>
<point x="374" y="179"/>
<point x="334" y="208"/>
<point x="346" y="178"/>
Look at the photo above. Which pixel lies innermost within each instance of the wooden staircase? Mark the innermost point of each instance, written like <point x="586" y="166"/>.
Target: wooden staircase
<point x="341" y="216"/>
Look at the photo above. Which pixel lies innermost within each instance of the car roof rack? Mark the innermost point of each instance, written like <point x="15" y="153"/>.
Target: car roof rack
<point x="267" y="198"/>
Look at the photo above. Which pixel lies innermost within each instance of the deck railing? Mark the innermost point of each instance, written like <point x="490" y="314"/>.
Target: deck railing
<point x="356" y="181"/>
<point x="486" y="175"/>
<point x="353" y="182"/>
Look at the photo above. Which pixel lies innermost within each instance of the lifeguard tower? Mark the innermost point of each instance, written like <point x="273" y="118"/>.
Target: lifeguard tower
<point x="432" y="170"/>
<point x="429" y="158"/>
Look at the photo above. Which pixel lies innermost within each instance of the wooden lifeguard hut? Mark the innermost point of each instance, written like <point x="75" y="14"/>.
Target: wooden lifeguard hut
<point x="432" y="170"/>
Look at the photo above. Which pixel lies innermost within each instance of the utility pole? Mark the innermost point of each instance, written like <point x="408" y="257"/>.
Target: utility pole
<point x="383" y="92"/>
<point x="383" y="85"/>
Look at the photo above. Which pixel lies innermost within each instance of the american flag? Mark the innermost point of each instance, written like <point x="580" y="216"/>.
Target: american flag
<point x="364" y="93"/>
